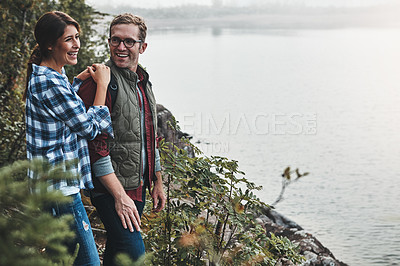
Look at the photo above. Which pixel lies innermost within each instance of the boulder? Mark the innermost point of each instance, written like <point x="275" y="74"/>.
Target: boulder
<point x="167" y="132"/>
<point x="315" y="253"/>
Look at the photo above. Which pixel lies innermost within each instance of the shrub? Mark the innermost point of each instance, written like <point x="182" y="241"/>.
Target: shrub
<point x="29" y="235"/>
<point x="209" y="216"/>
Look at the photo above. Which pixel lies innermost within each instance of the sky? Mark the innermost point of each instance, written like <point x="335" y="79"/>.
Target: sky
<point x="172" y="3"/>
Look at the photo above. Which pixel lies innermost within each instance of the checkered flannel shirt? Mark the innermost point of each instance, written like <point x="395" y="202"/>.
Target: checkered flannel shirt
<point x="58" y="126"/>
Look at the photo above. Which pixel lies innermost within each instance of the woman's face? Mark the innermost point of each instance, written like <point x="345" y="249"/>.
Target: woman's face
<point x="65" y="51"/>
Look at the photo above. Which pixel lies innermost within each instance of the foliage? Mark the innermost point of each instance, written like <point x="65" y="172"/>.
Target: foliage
<point x="287" y="180"/>
<point x="29" y="234"/>
<point x="17" y="20"/>
<point x="209" y="216"/>
<point x="284" y="248"/>
<point x="123" y="259"/>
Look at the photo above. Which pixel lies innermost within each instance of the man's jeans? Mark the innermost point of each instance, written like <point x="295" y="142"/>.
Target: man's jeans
<point x="119" y="240"/>
<point x="87" y="254"/>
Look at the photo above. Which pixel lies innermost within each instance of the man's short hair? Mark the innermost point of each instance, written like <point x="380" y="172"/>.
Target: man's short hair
<point x="128" y="18"/>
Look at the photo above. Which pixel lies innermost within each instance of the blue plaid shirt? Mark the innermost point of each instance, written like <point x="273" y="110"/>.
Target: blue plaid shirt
<point x="58" y="126"/>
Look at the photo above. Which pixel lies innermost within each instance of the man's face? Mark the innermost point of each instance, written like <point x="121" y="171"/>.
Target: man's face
<point x="121" y="55"/>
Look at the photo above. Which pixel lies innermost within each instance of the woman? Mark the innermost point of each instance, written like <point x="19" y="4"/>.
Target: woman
<point x="57" y="124"/>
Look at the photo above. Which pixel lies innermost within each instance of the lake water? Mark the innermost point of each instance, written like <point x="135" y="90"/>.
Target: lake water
<point x="324" y="101"/>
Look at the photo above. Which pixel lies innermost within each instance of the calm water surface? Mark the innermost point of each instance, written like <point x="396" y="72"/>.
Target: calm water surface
<point x="327" y="102"/>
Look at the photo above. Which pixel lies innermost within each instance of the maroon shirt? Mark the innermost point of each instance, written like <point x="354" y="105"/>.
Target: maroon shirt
<point x="98" y="147"/>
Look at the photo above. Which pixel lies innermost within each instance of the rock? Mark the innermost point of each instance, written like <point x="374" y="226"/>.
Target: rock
<point x="165" y="131"/>
<point x="281" y="220"/>
<point x="284" y="262"/>
<point x="314" y="252"/>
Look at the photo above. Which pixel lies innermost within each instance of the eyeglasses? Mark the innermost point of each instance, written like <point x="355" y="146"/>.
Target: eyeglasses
<point x="128" y="42"/>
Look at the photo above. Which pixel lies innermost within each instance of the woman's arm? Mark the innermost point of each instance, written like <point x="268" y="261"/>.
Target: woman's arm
<point x="61" y="102"/>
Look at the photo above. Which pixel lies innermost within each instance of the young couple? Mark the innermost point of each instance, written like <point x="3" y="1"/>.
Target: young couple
<point x="107" y="120"/>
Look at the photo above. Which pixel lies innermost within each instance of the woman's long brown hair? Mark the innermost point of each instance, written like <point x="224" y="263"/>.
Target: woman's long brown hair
<point x="48" y="29"/>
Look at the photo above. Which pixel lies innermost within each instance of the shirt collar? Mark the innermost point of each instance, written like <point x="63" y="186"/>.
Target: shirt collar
<point x="140" y="74"/>
<point x="44" y="70"/>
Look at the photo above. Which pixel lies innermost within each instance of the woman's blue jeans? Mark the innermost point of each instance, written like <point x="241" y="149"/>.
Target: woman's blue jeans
<point x="119" y="239"/>
<point x="87" y="254"/>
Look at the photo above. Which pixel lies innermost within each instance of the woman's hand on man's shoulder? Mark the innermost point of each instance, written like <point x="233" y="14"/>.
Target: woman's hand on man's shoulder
<point x="100" y="74"/>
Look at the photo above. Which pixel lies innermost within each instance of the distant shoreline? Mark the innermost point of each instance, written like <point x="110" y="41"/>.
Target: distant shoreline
<point x="271" y="21"/>
<point x="267" y="17"/>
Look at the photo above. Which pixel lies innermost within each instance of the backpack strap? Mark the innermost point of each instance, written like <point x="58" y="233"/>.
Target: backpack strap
<point x="113" y="89"/>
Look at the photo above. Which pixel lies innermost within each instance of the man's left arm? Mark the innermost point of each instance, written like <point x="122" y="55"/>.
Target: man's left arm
<point x="158" y="193"/>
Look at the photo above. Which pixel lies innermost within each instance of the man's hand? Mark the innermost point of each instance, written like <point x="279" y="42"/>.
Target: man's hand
<point x="127" y="212"/>
<point x="124" y="205"/>
<point x="158" y="194"/>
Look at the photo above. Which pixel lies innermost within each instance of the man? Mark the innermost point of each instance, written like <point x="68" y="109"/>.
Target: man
<point x="124" y="166"/>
